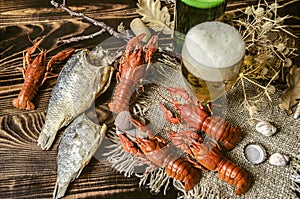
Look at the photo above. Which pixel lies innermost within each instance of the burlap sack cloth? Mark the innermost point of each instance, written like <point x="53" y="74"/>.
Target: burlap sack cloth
<point x="268" y="181"/>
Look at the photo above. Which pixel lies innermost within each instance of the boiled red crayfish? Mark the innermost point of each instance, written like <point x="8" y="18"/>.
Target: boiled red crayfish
<point x="162" y="155"/>
<point x="210" y="157"/>
<point x="195" y="116"/>
<point x="134" y="63"/>
<point x="35" y="73"/>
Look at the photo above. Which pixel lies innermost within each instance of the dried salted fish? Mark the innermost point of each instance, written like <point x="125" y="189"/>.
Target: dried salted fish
<point x="86" y="75"/>
<point x="277" y="159"/>
<point x="78" y="144"/>
<point x="265" y="128"/>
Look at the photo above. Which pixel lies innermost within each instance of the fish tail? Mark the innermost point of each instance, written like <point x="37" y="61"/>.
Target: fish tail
<point x="48" y="135"/>
<point x="60" y="190"/>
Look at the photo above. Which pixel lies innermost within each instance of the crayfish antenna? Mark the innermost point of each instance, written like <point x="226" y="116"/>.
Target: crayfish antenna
<point x="163" y="97"/>
<point x="30" y="51"/>
<point x="181" y="92"/>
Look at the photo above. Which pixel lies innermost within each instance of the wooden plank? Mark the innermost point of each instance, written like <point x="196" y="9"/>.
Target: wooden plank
<point x="26" y="171"/>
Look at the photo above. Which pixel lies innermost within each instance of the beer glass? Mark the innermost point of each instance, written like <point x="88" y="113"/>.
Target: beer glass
<point x="211" y="58"/>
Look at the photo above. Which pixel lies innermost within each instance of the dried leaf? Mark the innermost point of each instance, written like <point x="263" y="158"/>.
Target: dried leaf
<point x="292" y="93"/>
<point x="154" y="16"/>
<point x="121" y="28"/>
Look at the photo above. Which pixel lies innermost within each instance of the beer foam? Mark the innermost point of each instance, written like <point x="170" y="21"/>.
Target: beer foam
<point x="214" y="45"/>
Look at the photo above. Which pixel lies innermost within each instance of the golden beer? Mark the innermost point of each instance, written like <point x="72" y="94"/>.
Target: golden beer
<point x="211" y="58"/>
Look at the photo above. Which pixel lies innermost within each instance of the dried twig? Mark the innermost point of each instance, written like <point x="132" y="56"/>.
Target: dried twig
<point x="105" y="27"/>
<point x="75" y="39"/>
<point x="267" y="40"/>
<point x="269" y="48"/>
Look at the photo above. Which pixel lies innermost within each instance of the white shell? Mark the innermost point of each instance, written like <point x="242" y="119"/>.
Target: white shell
<point x="265" y="128"/>
<point x="277" y="159"/>
<point x="297" y="111"/>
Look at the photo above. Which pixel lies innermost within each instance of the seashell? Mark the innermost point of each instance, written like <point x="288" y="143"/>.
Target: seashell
<point x="277" y="159"/>
<point x="254" y="153"/>
<point x="265" y="128"/>
<point x="297" y="111"/>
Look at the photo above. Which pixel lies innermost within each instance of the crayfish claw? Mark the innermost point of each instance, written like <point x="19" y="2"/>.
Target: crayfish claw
<point x="140" y="37"/>
<point x="168" y="114"/>
<point x="128" y="145"/>
<point x="151" y="48"/>
<point x="179" y="92"/>
<point x="152" y="43"/>
<point x="61" y="56"/>
<point x="141" y="126"/>
<point x="31" y="50"/>
<point x="183" y="139"/>
<point x="134" y="43"/>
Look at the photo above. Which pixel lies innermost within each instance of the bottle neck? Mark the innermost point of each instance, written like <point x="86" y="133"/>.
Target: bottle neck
<point x="188" y="16"/>
<point x="203" y="4"/>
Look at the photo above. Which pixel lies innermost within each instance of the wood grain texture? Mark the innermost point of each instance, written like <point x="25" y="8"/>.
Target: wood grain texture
<point x="26" y="171"/>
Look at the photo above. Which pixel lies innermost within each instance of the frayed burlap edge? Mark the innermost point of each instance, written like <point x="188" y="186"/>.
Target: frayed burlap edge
<point x="156" y="179"/>
<point x="295" y="177"/>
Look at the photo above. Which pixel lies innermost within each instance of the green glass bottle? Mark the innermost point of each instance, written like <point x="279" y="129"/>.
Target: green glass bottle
<point x="192" y="12"/>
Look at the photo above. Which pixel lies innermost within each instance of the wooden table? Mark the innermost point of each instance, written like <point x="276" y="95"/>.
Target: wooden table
<point x="26" y="171"/>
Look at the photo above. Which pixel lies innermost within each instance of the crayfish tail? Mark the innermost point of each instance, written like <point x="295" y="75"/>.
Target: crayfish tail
<point x="235" y="175"/>
<point x="184" y="171"/>
<point x="230" y="142"/>
<point x="122" y="95"/>
<point x="244" y="184"/>
<point x="221" y="131"/>
<point x="192" y="179"/>
<point x="29" y="106"/>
